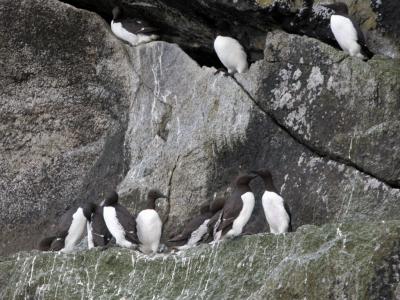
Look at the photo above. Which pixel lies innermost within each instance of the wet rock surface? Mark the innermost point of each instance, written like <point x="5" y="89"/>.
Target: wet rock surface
<point x="333" y="261"/>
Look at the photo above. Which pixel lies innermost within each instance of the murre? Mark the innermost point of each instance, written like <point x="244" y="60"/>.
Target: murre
<point x="70" y="230"/>
<point x="231" y="54"/>
<point x="149" y="225"/>
<point x="119" y="222"/>
<point x="347" y="32"/>
<point x="132" y="30"/>
<point x="237" y="209"/>
<point x="276" y="210"/>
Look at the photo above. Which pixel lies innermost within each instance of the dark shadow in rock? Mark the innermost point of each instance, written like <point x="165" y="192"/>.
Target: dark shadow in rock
<point x="109" y="169"/>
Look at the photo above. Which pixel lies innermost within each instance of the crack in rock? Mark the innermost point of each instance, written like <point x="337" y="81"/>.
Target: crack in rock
<point x="314" y="150"/>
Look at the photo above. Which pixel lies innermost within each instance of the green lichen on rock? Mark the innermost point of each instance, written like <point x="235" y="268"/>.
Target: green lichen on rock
<point x="353" y="261"/>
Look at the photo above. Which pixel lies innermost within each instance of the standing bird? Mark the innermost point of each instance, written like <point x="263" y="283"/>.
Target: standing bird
<point x="276" y="210"/>
<point x="98" y="233"/>
<point x="133" y="31"/>
<point x="237" y="209"/>
<point x="119" y="222"/>
<point x="149" y="224"/>
<point x="347" y="33"/>
<point x="231" y="54"/>
<point x="70" y="230"/>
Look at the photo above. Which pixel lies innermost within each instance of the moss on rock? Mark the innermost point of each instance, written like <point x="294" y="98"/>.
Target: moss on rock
<point x="356" y="261"/>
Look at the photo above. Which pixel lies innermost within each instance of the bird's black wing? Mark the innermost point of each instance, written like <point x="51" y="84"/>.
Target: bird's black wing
<point x="128" y="223"/>
<point x="287" y="208"/>
<point x="217" y="204"/>
<point x="65" y="222"/>
<point x="231" y="210"/>
<point x="137" y="26"/>
<point x="100" y="233"/>
<point x="190" y="227"/>
<point x="361" y="39"/>
<point x="59" y="242"/>
<point x="45" y="243"/>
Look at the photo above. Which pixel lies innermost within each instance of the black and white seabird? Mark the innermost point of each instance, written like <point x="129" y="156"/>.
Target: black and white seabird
<point x="276" y="210"/>
<point x="237" y="209"/>
<point x="98" y="233"/>
<point x="194" y="230"/>
<point x="134" y="31"/>
<point x="119" y="222"/>
<point x="231" y="54"/>
<point x="347" y="32"/>
<point x="149" y="224"/>
<point x="70" y="230"/>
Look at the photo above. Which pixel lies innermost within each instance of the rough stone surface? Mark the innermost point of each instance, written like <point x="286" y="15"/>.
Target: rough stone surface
<point x="82" y="113"/>
<point x="339" y="106"/>
<point x="64" y="85"/>
<point x="329" y="262"/>
<point x="98" y="110"/>
<point x="191" y="140"/>
<point x="193" y="24"/>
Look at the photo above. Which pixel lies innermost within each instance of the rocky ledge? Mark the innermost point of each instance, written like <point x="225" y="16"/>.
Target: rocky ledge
<point x="81" y="114"/>
<point x="337" y="261"/>
<point x="80" y="119"/>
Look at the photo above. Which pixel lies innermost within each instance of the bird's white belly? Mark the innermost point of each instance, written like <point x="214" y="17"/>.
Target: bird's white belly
<point x="115" y="227"/>
<point x="345" y="34"/>
<point x="89" y="235"/>
<point x="275" y="212"/>
<point x="75" y="231"/>
<point x="149" y="226"/>
<point x="231" y="54"/>
<point x="244" y="215"/>
<point x="133" y="39"/>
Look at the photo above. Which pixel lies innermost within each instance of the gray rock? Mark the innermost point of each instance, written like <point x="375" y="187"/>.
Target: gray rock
<point x="150" y="116"/>
<point x="65" y="84"/>
<point x="192" y="140"/>
<point x="340" y="107"/>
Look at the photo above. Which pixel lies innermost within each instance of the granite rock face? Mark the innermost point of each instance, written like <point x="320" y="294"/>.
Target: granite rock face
<point x="64" y="84"/>
<point x="191" y="140"/>
<point x="340" y="107"/>
<point x="82" y="113"/>
<point x="329" y="262"/>
<point x="81" y="119"/>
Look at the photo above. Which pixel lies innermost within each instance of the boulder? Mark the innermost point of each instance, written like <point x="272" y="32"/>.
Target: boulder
<point x="65" y="84"/>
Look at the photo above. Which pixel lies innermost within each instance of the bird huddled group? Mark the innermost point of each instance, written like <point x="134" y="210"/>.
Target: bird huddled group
<point x="110" y="223"/>
<point x="230" y="52"/>
<point x="106" y="221"/>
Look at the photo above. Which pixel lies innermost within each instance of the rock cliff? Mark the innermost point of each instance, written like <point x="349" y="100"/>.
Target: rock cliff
<point x="82" y="113"/>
